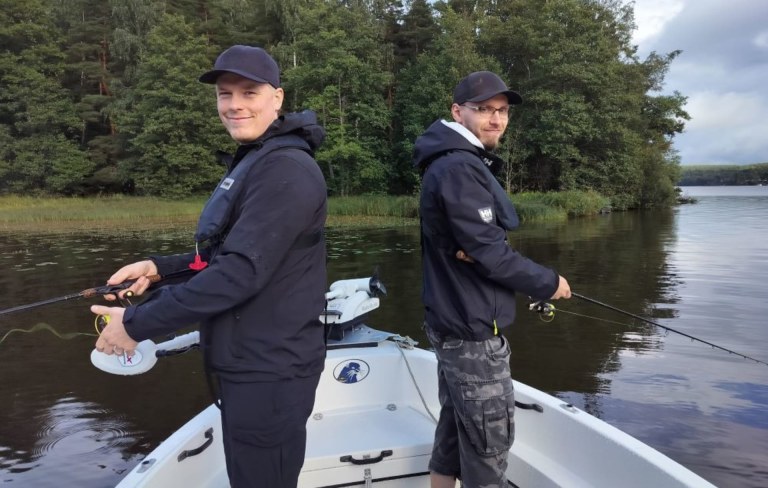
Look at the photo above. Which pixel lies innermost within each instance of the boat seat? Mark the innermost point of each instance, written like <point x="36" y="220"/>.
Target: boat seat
<point x="387" y="440"/>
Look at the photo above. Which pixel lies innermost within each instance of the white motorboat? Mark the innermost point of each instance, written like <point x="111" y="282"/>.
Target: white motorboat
<point x="374" y="419"/>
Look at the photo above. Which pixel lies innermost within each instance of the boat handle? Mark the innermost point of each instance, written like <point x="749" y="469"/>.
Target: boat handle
<point x="366" y="460"/>
<point x="194" y="452"/>
<point x="529" y="406"/>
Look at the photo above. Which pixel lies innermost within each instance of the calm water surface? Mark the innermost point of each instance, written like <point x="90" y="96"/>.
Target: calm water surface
<point x="698" y="268"/>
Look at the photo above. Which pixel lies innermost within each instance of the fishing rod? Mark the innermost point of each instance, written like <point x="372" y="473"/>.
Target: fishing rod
<point x="348" y="301"/>
<point x="670" y="329"/>
<point x="88" y="293"/>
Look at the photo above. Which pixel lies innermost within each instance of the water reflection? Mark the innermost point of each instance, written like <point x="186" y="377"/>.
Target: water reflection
<point x="686" y="268"/>
<point x="68" y="433"/>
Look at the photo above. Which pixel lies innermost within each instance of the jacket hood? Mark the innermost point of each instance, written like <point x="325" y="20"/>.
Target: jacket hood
<point x="440" y="138"/>
<point x="303" y="124"/>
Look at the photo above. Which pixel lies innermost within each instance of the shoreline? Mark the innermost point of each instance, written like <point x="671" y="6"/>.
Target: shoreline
<point x="129" y="215"/>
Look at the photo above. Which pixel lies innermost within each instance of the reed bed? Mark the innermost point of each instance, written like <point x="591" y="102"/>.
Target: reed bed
<point x="560" y="204"/>
<point x="19" y="209"/>
<point x="127" y="213"/>
<point x="403" y="207"/>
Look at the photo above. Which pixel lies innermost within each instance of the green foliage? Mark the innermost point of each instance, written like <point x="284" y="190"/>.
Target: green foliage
<point x="72" y="214"/>
<point x="172" y="125"/>
<point x="56" y="214"/>
<point x="375" y="206"/>
<point x="416" y="31"/>
<point x="573" y="202"/>
<point x="102" y="96"/>
<point x="425" y="90"/>
<point x="47" y="164"/>
<point x="38" y="121"/>
<point x="336" y="62"/>
<point x="531" y="206"/>
<point x="582" y="124"/>
<point x="708" y="175"/>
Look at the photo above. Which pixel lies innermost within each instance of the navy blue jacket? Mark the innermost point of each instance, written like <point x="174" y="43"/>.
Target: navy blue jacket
<point x="463" y="207"/>
<point x="259" y="299"/>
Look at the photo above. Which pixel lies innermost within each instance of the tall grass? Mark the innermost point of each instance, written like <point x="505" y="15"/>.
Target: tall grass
<point x="123" y="212"/>
<point x="531" y="206"/>
<point x="536" y="206"/>
<point x="406" y="207"/>
<point x="59" y="213"/>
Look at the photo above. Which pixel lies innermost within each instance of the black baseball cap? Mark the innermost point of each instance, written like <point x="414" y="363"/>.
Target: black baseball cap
<point x="482" y="85"/>
<point x="250" y="62"/>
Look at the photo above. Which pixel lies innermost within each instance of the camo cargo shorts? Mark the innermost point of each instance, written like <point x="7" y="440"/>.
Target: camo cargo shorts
<point x="476" y="426"/>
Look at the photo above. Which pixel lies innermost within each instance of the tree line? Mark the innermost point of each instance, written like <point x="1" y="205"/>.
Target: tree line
<point x="724" y="175"/>
<point x="102" y="96"/>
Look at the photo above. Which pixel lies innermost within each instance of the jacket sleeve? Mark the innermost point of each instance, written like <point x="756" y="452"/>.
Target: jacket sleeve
<point x="276" y="207"/>
<point x="469" y="208"/>
<point x="174" y="264"/>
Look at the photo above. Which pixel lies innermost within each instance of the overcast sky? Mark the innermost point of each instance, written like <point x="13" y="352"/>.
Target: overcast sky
<point x="723" y="70"/>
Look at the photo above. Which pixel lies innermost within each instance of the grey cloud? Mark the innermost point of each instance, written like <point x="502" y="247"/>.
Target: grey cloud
<point x="723" y="70"/>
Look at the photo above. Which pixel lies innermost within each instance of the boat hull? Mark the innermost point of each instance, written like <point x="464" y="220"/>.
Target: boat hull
<point x="373" y="423"/>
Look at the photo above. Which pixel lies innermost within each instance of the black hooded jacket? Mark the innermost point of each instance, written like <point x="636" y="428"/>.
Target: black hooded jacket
<point x="260" y="297"/>
<point x="463" y="207"/>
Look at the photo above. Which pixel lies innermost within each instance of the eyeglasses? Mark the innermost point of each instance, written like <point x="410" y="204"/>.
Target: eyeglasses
<point x="488" y="111"/>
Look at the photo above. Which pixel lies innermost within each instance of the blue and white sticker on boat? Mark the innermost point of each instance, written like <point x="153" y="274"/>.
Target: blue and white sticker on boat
<point x="351" y="371"/>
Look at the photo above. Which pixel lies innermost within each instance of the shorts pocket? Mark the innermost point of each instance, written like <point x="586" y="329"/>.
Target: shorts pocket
<point x="498" y="350"/>
<point x="488" y="415"/>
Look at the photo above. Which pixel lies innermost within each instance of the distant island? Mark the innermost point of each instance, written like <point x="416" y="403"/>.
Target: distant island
<point x="724" y="175"/>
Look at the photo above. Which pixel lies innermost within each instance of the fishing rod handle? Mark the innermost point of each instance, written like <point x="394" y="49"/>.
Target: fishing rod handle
<point x="109" y="289"/>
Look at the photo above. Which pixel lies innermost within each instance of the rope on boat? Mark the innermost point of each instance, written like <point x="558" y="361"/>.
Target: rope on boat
<point x="408" y="343"/>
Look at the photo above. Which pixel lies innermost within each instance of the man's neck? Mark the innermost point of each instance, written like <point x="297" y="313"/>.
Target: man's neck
<point x="466" y="133"/>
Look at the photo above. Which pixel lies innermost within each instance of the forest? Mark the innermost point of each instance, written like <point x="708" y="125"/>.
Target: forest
<point x="724" y="175"/>
<point x="102" y="97"/>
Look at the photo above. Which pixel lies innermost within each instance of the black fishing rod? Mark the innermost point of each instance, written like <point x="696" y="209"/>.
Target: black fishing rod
<point x="596" y="302"/>
<point x="89" y="293"/>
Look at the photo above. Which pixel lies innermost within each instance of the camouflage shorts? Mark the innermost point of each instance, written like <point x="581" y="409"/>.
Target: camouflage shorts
<point x="476" y="426"/>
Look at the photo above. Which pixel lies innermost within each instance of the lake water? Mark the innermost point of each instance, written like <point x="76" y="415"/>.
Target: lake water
<point x="699" y="269"/>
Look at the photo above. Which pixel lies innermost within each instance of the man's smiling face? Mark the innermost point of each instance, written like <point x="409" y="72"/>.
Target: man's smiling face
<point x="487" y="128"/>
<point x="246" y="107"/>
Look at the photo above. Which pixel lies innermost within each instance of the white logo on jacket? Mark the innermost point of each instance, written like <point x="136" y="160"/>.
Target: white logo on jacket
<point x="226" y="184"/>
<point x="486" y="214"/>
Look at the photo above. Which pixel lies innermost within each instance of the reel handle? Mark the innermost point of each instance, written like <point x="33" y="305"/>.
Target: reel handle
<point x="144" y="357"/>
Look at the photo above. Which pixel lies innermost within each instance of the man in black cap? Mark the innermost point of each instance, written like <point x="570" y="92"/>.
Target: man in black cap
<point x="470" y="278"/>
<point x="257" y="285"/>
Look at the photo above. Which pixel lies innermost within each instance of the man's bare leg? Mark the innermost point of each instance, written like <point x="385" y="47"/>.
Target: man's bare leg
<point x="441" y="480"/>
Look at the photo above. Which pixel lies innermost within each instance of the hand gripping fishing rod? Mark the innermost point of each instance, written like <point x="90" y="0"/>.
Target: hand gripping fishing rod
<point x="89" y="293"/>
<point x="145" y="355"/>
<point x="591" y="300"/>
<point x="348" y="301"/>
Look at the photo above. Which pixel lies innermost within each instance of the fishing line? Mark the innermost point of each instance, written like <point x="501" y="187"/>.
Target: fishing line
<point x="670" y="329"/>
<point x="594" y="318"/>
<point x="41" y="326"/>
<point x="547" y="311"/>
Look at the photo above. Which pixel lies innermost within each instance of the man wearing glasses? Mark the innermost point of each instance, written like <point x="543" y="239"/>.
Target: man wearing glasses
<point x="470" y="277"/>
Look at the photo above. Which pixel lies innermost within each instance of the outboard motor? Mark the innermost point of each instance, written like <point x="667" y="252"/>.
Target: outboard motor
<point x="349" y="302"/>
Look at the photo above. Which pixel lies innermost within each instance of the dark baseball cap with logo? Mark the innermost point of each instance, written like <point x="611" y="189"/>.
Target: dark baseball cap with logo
<point x="250" y="62"/>
<point x="483" y="85"/>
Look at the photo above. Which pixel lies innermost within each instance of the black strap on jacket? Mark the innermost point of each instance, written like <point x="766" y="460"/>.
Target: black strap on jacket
<point x="217" y="211"/>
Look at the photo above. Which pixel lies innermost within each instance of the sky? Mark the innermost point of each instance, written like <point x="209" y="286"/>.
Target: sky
<point x="723" y="70"/>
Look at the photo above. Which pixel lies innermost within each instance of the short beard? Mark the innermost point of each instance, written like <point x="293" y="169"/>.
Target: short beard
<point x="491" y="147"/>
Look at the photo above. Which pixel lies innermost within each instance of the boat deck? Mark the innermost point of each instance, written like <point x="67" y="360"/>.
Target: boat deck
<point x="384" y="442"/>
<point x="372" y="428"/>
